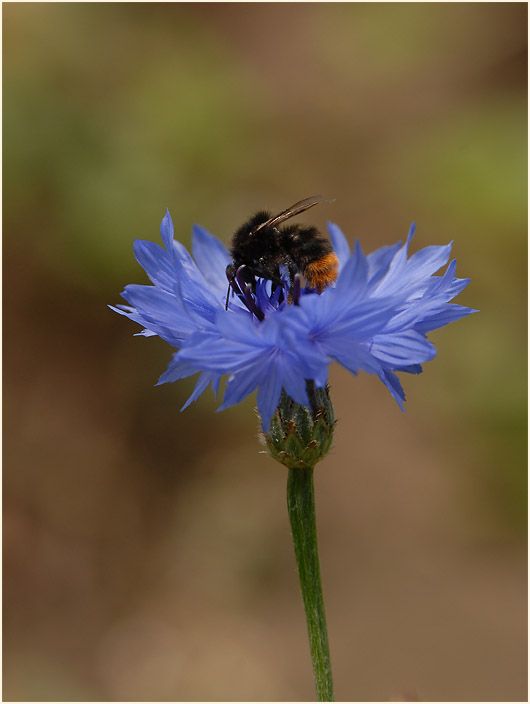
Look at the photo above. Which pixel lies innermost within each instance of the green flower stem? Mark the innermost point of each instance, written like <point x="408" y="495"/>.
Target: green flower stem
<point x="301" y="506"/>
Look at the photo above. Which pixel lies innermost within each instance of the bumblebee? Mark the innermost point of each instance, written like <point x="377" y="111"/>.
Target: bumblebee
<point x="261" y="247"/>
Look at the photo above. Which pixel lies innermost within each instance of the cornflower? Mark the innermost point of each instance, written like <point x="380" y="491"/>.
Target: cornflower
<point x="280" y="339"/>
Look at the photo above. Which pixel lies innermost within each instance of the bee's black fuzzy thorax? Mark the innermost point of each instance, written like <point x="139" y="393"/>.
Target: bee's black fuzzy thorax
<point x="260" y="252"/>
<point x="262" y="246"/>
<point x="248" y="245"/>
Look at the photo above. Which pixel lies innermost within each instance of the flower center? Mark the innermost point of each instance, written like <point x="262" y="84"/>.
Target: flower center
<point x="262" y="296"/>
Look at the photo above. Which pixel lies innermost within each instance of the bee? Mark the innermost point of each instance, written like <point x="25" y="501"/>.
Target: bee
<point x="261" y="247"/>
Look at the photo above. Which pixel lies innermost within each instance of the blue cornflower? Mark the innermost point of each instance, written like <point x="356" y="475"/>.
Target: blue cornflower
<point x="374" y="319"/>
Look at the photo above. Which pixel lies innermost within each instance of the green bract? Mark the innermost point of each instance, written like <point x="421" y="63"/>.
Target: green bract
<point x="298" y="436"/>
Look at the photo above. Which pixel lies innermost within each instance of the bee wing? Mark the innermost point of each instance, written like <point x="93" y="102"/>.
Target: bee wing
<point x="293" y="210"/>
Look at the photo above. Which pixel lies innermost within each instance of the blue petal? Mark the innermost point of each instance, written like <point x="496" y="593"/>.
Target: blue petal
<point x="128" y="312"/>
<point x="394" y="276"/>
<point x="340" y="243"/>
<point x="193" y="292"/>
<point x="191" y="281"/>
<point x="240" y="385"/>
<point x="159" y="308"/>
<point x="185" y="263"/>
<point x="226" y="348"/>
<point x="308" y="360"/>
<point x="295" y="385"/>
<point x="392" y="383"/>
<point x="269" y="396"/>
<point x="456" y="287"/>
<point x="448" y="314"/>
<point x="222" y="356"/>
<point x="215" y="384"/>
<point x="235" y="325"/>
<point x="410" y="369"/>
<point x="428" y="260"/>
<point x="438" y="285"/>
<point x="354" y="275"/>
<point x="355" y="357"/>
<point x="153" y="326"/>
<point x="202" y="384"/>
<point x="177" y="369"/>
<point x="211" y="257"/>
<point x="365" y="320"/>
<point x="166" y="232"/>
<point x="402" y="349"/>
<point x="379" y="261"/>
<point x="156" y="263"/>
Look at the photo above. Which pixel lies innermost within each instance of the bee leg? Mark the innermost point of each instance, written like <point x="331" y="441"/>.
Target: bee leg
<point x="247" y="295"/>
<point x="296" y="289"/>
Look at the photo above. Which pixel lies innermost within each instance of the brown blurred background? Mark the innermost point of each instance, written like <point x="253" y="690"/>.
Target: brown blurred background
<point x="147" y="553"/>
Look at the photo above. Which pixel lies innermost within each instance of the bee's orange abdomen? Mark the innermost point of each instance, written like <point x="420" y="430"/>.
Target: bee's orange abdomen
<point x="322" y="272"/>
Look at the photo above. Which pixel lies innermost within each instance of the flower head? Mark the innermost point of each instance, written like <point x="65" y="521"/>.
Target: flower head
<point x="374" y="319"/>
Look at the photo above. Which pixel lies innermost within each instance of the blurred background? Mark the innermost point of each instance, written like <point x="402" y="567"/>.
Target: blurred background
<point x="147" y="553"/>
